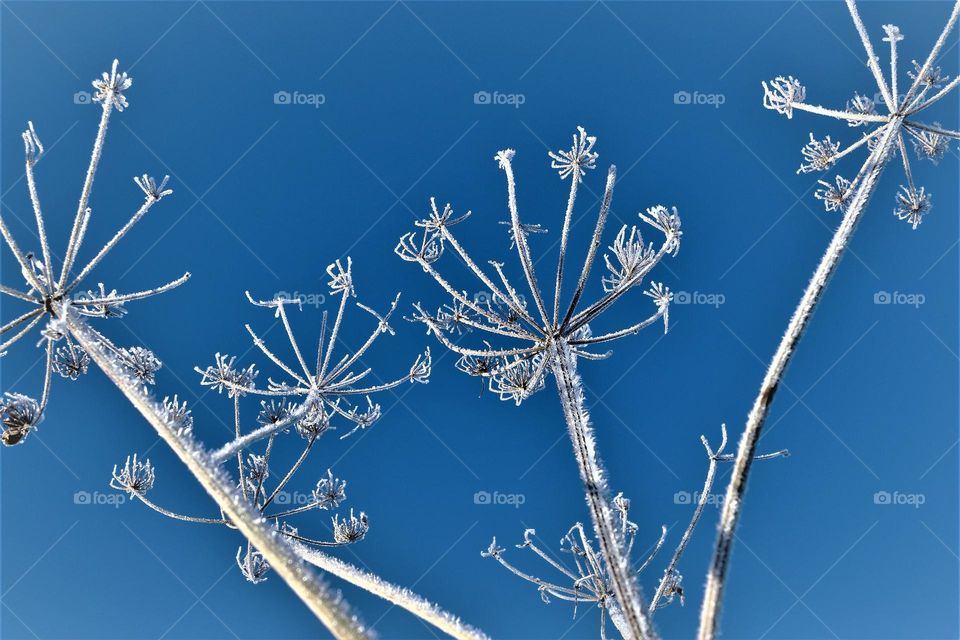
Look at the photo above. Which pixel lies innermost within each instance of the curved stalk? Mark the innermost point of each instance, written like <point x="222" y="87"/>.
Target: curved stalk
<point x="619" y="568"/>
<point x="324" y="602"/>
<point x="733" y="502"/>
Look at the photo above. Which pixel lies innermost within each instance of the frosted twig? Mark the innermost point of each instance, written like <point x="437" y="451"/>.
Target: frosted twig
<point x="913" y="205"/>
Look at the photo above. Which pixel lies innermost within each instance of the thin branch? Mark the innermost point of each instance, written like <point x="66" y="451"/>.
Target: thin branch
<point x="324" y="602"/>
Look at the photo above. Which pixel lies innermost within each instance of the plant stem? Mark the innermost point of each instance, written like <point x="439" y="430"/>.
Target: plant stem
<point x="399" y="596"/>
<point x="627" y="591"/>
<point x="665" y="582"/>
<point x="324" y="602"/>
<point x="732" y="505"/>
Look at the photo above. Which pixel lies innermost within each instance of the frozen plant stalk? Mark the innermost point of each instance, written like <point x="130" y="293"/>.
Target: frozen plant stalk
<point x="551" y="337"/>
<point x="309" y="400"/>
<point x="850" y="197"/>
<point x="71" y="344"/>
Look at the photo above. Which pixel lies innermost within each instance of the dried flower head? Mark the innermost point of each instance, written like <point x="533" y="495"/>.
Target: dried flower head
<point x="835" y="196"/>
<point x="177" y="415"/>
<point x="70" y="361"/>
<point x="782" y="94"/>
<point x="350" y="529"/>
<point x="151" y="189"/>
<point x="860" y="106"/>
<point x="912" y="205"/>
<point x="578" y="159"/>
<point x="515" y="373"/>
<point x="931" y="78"/>
<point x="54" y="297"/>
<point x="930" y="145"/>
<point x="819" y="154"/>
<point x="274" y="411"/>
<point x="110" y="88"/>
<point x="136" y="477"/>
<point x="885" y="139"/>
<point x="20" y="415"/>
<point x="141" y="363"/>
<point x="330" y="492"/>
<point x="223" y="376"/>
<point x="252" y="565"/>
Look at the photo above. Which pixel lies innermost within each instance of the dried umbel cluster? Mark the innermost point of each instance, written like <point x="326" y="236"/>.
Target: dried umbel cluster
<point x="550" y="335"/>
<point x="515" y="372"/>
<point x="885" y="134"/>
<point x="54" y="295"/>
<point x="305" y="400"/>
<point x="588" y="579"/>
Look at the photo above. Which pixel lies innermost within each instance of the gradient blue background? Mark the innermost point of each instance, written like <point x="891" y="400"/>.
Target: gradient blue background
<point x="267" y="195"/>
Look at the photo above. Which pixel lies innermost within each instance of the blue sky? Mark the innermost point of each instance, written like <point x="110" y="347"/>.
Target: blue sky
<point x="388" y="108"/>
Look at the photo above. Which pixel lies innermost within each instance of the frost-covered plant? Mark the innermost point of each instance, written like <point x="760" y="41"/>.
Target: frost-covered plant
<point x="52" y="294"/>
<point x="850" y="197"/>
<point x="589" y="580"/>
<point x="71" y="344"/>
<point x="305" y="401"/>
<point x="551" y="337"/>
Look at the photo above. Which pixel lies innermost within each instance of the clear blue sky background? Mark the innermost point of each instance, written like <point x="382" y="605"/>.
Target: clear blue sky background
<point x="268" y="194"/>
